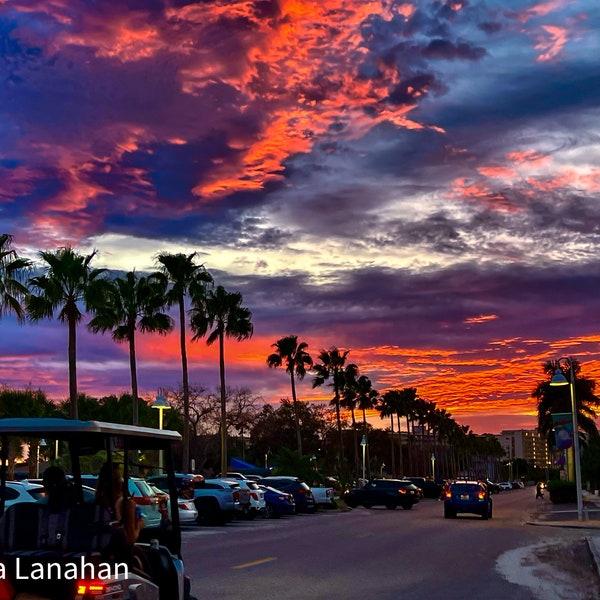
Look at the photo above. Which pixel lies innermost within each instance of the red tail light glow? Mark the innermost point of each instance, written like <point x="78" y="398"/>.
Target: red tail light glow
<point x="90" y="588"/>
<point x="448" y="494"/>
<point x="401" y="491"/>
<point x="145" y="500"/>
<point x="254" y="495"/>
<point x="481" y="495"/>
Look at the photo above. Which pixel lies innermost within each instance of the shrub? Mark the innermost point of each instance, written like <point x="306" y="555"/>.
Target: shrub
<point x="562" y="492"/>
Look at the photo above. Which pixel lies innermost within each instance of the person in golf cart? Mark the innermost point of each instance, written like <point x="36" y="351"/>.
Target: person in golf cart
<point x="82" y="534"/>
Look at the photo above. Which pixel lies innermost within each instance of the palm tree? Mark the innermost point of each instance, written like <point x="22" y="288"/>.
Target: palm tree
<point x="348" y="393"/>
<point x="389" y="407"/>
<point x="331" y="368"/>
<point x="297" y="361"/>
<point x="67" y="281"/>
<point x="12" y="288"/>
<point x="557" y="399"/>
<point x="224" y="311"/>
<point x="132" y="303"/>
<point x="187" y="278"/>
<point x="366" y="398"/>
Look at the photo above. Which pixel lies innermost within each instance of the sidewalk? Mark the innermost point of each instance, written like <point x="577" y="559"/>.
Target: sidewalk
<point x="565" y="515"/>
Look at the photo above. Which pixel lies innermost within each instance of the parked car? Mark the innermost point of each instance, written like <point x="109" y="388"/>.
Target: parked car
<point x="21" y="491"/>
<point x="188" y="513"/>
<point x="142" y="495"/>
<point x="303" y="496"/>
<point x="517" y="484"/>
<point x="468" y="497"/>
<point x="493" y="487"/>
<point x="390" y="493"/>
<point x="505" y="485"/>
<point x="213" y="498"/>
<point x="249" y="498"/>
<point x="324" y="496"/>
<point x="431" y="488"/>
<point x="277" y="502"/>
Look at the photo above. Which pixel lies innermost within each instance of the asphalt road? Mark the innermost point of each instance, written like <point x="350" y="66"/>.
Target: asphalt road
<point x="380" y="554"/>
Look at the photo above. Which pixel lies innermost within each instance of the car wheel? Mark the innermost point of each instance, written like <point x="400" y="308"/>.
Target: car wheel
<point x="351" y="504"/>
<point x="485" y="516"/>
<point x="449" y="513"/>
<point x="269" y="512"/>
<point x="490" y="513"/>
<point x="407" y="506"/>
<point x="390" y="506"/>
<point x="367" y="505"/>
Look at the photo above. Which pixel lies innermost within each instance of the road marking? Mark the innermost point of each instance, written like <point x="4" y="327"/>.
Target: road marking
<point x="253" y="563"/>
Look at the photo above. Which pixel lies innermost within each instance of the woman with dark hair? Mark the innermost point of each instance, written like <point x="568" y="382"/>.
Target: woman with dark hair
<point x="110" y="495"/>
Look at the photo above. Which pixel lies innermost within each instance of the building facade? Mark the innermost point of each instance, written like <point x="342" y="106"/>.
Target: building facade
<point x="527" y="444"/>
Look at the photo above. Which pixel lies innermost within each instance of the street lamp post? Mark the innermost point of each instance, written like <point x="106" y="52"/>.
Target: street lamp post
<point x="433" y="465"/>
<point x="560" y="379"/>
<point x="363" y="443"/>
<point x="161" y="404"/>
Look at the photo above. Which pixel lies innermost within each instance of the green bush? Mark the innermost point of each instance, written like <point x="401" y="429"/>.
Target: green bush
<point x="562" y="492"/>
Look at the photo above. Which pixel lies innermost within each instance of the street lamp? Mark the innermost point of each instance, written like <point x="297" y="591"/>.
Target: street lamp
<point x="161" y="404"/>
<point x="560" y="379"/>
<point x="41" y="444"/>
<point x="363" y="443"/>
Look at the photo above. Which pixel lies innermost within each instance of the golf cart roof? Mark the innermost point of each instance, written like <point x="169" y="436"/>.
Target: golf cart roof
<point x="66" y="429"/>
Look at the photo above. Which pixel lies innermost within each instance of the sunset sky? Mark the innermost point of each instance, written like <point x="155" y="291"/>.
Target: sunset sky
<point x="417" y="182"/>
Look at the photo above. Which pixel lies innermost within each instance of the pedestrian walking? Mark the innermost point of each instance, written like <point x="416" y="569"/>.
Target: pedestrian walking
<point x="539" y="490"/>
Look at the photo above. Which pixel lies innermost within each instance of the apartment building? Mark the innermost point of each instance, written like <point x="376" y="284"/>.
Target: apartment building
<point x="527" y="444"/>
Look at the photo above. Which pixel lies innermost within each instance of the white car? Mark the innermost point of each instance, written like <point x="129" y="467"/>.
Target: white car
<point x="255" y="495"/>
<point x="505" y="485"/>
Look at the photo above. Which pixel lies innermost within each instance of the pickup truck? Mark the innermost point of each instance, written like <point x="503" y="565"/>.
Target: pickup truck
<point x="324" y="496"/>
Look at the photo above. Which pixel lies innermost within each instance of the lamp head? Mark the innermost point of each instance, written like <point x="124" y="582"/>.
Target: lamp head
<point x="558" y="378"/>
<point x="161" y="402"/>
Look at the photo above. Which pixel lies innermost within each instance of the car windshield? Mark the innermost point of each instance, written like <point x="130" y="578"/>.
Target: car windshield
<point x="465" y="487"/>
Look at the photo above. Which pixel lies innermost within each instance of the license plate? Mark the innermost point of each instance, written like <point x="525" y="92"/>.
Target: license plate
<point x="464" y="496"/>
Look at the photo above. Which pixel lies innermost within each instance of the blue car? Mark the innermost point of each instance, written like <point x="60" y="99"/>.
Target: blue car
<point x="468" y="497"/>
<point x="277" y="503"/>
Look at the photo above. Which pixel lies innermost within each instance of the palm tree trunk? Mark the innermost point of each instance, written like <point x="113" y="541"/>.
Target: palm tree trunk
<point x="355" y="438"/>
<point x="134" y="383"/>
<point x="401" y="466"/>
<point x="296" y="416"/>
<point x="393" y="453"/>
<point x="223" y="403"/>
<point x="73" y="368"/>
<point x="185" y="457"/>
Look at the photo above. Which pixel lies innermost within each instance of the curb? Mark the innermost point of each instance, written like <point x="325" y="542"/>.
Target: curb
<point x="594" y="546"/>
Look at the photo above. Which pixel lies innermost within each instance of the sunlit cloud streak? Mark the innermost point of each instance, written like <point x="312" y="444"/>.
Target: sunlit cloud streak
<point x="416" y="182"/>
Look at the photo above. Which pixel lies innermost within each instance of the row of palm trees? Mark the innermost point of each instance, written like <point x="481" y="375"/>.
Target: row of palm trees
<point x="354" y="392"/>
<point x="124" y="305"/>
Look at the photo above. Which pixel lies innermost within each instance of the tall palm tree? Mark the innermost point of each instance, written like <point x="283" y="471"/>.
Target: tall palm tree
<point x="557" y="399"/>
<point x="12" y="269"/>
<point x="132" y="303"/>
<point x="389" y="407"/>
<point x="68" y="280"/>
<point x="331" y="368"/>
<point x="366" y="399"/>
<point x="224" y="311"/>
<point x="187" y="278"/>
<point x="297" y="361"/>
<point x="348" y="400"/>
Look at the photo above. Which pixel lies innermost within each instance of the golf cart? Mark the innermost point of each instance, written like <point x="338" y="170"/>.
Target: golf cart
<point x="73" y="561"/>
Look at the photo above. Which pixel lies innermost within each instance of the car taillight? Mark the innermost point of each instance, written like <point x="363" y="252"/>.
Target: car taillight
<point x="401" y="491"/>
<point x="254" y="495"/>
<point x="145" y="500"/>
<point x="236" y="496"/>
<point x="89" y="589"/>
<point x="183" y="506"/>
<point x="481" y="495"/>
<point x="448" y="494"/>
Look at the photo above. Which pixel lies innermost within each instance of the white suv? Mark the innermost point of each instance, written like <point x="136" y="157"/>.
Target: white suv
<point x="256" y="497"/>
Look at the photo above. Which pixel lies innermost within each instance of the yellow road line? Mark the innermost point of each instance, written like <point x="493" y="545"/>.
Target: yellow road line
<point x="253" y="563"/>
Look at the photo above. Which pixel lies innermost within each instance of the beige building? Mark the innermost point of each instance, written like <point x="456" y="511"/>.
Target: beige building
<point x="527" y="444"/>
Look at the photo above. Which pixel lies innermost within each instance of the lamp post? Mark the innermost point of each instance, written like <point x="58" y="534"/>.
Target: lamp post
<point x="41" y="444"/>
<point x="363" y="443"/>
<point x="560" y="379"/>
<point x="433" y="465"/>
<point x="161" y="404"/>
